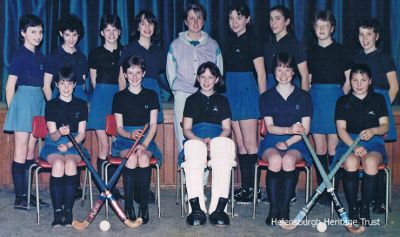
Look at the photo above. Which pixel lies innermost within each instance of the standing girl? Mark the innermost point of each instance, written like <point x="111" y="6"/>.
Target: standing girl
<point x="362" y="112"/>
<point x="145" y="36"/>
<point x="104" y="71"/>
<point x="207" y="125"/>
<point x="26" y="73"/>
<point x="243" y="57"/>
<point x="284" y="41"/>
<point x="64" y="115"/>
<point x="67" y="55"/>
<point x="384" y="82"/>
<point x="329" y="65"/>
<point x="133" y="107"/>
<point x="287" y="112"/>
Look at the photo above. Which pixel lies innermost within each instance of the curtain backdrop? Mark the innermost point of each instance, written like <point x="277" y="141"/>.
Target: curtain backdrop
<point x="170" y="16"/>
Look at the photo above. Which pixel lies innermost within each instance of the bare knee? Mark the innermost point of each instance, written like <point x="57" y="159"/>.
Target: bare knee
<point x="143" y="160"/>
<point x="275" y="162"/>
<point x="370" y="165"/>
<point x="132" y="162"/>
<point x="352" y="163"/>
<point x="70" y="167"/>
<point x="57" y="168"/>
<point x="288" y="162"/>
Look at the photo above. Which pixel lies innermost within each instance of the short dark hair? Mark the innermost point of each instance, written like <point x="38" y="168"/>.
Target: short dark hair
<point x="287" y="14"/>
<point x="196" y="7"/>
<point x="151" y="18"/>
<point x="28" y="20"/>
<point x="72" y="23"/>
<point x="361" y="69"/>
<point x="284" y="59"/>
<point x="325" y="16"/>
<point x="369" y="23"/>
<point x="110" y="19"/>
<point x="133" y="61"/>
<point x="241" y="8"/>
<point x="65" y="74"/>
<point x="214" y="70"/>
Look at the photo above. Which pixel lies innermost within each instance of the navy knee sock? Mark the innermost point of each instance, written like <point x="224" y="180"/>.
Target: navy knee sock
<point x="144" y="175"/>
<point x="129" y="176"/>
<point x="57" y="191"/>
<point x="70" y="185"/>
<point x="368" y="188"/>
<point x="28" y="164"/>
<point x="18" y="175"/>
<point x="289" y="181"/>
<point x="350" y="187"/>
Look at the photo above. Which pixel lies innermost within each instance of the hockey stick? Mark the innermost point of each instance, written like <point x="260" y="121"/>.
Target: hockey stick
<point x="330" y="189"/>
<point x="105" y="189"/>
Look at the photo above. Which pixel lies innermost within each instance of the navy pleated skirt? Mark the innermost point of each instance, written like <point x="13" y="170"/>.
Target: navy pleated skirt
<point x="324" y="97"/>
<point x="122" y="143"/>
<point x="28" y="101"/>
<point x="51" y="147"/>
<point x="271" y="140"/>
<point x="243" y="95"/>
<point x="376" y="143"/>
<point x="101" y="105"/>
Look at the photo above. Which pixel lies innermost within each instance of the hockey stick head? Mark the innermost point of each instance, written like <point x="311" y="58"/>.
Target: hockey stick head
<point x="134" y="224"/>
<point x="355" y="229"/>
<point x="80" y="225"/>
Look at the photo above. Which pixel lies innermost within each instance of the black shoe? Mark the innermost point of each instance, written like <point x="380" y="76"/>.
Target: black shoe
<point x="152" y="198"/>
<point x="41" y="202"/>
<point x="67" y="218"/>
<point x="244" y="197"/>
<point x="21" y="203"/>
<point x="237" y="191"/>
<point x="197" y="216"/>
<point x="57" y="222"/>
<point x="130" y="213"/>
<point x="117" y="194"/>
<point x="78" y="193"/>
<point x="354" y="215"/>
<point x="219" y="216"/>
<point x="379" y="208"/>
<point x="144" y="214"/>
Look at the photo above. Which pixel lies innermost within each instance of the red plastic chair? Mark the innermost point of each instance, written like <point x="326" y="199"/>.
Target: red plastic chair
<point x="111" y="130"/>
<point x="39" y="130"/>
<point x="388" y="197"/>
<point x="264" y="165"/>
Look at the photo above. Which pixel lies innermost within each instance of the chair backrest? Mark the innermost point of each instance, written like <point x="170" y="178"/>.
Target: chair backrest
<point x="111" y="125"/>
<point x="39" y="127"/>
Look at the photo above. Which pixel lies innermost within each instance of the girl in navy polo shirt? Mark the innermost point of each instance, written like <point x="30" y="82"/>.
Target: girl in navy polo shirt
<point x="362" y="112"/>
<point x="329" y="65"/>
<point x="384" y="82"/>
<point x="64" y="115"/>
<point x="287" y="112"/>
<point x="243" y="56"/>
<point x="145" y="36"/>
<point x="283" y="40"/>
<point x="67" y="55"/>
<point x="133" y="107"/>
<point x="206" y="125"/>
<point x="26" y="72"/>
<point x="104" y="71"/>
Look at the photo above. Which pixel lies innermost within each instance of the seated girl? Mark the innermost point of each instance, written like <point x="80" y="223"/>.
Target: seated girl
<point x="64" y="115"/>
<point x="287" y="112"/>
<point x="133" y="107"/>
<point x="206" y="125"/>
<point x="362" y="112"/>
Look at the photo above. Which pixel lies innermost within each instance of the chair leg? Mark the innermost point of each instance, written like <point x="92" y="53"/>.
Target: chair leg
<point x="30" y="185"/>
<point x="255" y="190"/>
<point x="307" y="170"/>
<point x="177" y="178"/>
<point x="182" y="191"/>
<point x="84" y="188"/>
<point x="387" y="173"/>
<point x="158" y="191"/>
<point x="311" y="181"/>
<point x="37" y="194"/>
<point x="106" y="181"/>
<point x="232" y="192"/>
<point x="90" y="189"/>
